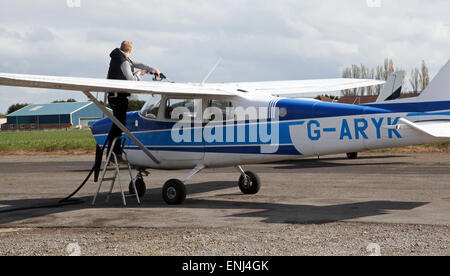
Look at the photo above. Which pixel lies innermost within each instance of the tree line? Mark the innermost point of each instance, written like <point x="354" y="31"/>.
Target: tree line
<point x="418" y="78"/>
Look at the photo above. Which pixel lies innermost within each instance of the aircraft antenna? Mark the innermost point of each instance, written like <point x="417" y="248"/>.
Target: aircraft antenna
<point x="212" y="71"/>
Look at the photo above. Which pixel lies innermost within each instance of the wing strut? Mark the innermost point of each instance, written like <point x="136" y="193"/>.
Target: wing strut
<point x="121" y="126"/>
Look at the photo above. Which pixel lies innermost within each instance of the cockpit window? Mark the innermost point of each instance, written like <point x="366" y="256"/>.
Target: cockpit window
<point x="151" y="108"/>
<point x="177" y="109"/>
<point x="224" y="106"/>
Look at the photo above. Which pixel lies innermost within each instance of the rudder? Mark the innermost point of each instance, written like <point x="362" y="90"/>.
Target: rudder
<point x="439" y="87"/>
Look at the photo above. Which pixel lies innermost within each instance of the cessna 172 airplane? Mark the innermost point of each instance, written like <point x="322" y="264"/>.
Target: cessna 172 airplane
<point x="199" y="126"/>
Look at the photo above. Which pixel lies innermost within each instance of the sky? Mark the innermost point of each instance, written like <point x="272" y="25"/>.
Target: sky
<point x="257" y="40"/>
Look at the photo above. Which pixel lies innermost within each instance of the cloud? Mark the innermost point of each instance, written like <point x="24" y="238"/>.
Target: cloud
<point x="257" y="39"/>
<point x="38" y="34"/>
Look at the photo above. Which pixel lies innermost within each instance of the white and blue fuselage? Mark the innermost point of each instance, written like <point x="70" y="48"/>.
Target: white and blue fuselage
<point x="304" y="128"/>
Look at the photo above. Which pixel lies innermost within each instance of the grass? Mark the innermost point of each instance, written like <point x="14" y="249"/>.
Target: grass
<point x="428" y="148"/>
<point x="70" y="141"/>
<point x="444" y="147"/>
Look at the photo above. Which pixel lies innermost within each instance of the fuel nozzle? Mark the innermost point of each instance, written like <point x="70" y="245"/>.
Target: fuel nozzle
<point x="161" y="77"/>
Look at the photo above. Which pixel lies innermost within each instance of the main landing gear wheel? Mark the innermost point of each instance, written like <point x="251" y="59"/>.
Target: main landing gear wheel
<point x="249" y="183"/>
<point x="174" y="192"/>
<point x="140" y="186"/>
<point x="352" y="155"/>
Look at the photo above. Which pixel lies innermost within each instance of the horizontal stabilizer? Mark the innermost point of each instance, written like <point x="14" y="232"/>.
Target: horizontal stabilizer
<point x="438" y="129"/>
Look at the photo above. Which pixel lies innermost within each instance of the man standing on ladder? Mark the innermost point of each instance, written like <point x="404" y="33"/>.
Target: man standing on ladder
<point x="122" y="68"/>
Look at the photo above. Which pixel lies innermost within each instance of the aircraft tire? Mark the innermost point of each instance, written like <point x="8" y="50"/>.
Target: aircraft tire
<point x="140" y="186"/>
<point x="253" y="186"/>
<point x="174" y="192"/>
<point x="352" y="155"/>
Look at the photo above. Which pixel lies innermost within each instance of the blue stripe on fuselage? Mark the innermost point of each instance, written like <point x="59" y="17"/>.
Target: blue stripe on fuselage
<point x="413" y="107"/>
<point x="164" y="137"/>
<point x="301" y="109"/>
<point x="159" y="133"/>
<point x="282" y="149"/>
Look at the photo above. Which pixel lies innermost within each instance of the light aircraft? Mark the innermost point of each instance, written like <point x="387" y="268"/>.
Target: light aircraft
<point x="199" y="126"/>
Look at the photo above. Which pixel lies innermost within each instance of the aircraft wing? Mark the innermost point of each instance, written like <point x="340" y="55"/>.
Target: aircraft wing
<point x="286" y="88"/>
<point x="277" y="88"/>
<point x="104" y="85"/>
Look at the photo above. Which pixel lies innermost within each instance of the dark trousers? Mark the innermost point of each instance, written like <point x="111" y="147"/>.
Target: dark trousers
<point x="119" y="105"/>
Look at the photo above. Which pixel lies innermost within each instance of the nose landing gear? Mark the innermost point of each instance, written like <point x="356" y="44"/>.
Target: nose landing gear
<point x="249" y="183"/>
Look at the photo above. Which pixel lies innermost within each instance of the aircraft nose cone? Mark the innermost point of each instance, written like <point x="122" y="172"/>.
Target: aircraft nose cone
<point x="101" y="126"/>
<point x="94" y="127"/>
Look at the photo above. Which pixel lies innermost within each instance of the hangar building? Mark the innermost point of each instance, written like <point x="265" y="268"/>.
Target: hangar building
<point x="2" y="121"/>
<point x="53" y="116"/>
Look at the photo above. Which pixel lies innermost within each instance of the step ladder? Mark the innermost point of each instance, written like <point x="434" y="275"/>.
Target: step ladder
<point x="112" y="162"/>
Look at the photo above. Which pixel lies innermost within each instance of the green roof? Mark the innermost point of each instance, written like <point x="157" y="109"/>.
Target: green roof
<point x="49" y="109"/>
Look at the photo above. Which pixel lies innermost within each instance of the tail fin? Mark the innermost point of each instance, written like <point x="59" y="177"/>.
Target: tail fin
<point x="393" y="87"/>
<point x="439" y="87"/>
